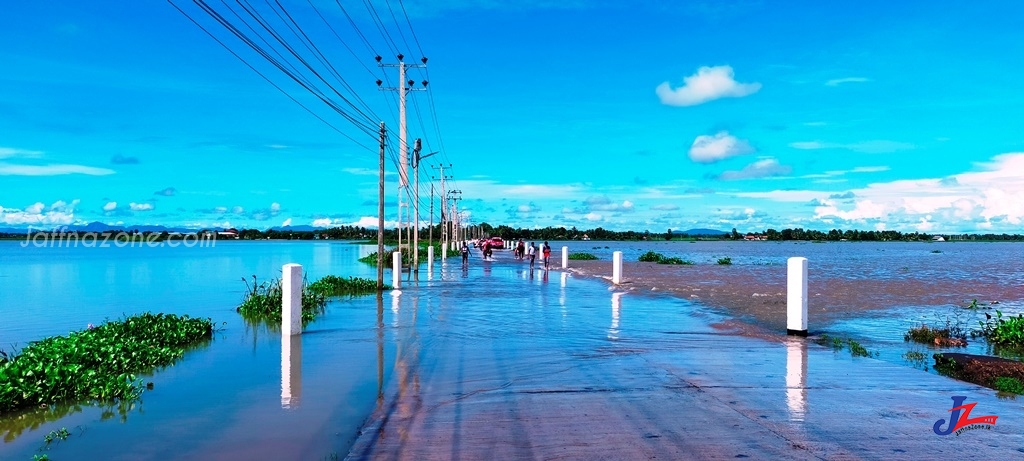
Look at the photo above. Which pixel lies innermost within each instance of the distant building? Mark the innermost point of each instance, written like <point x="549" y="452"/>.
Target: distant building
<point x="938" y="238"/>
<point x="228" y="233"/>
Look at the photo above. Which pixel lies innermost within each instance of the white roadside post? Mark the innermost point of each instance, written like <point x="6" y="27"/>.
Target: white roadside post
<point x="396" y="269"/>
<point x="796" y="299"/>
<point x="430" y="258"/>
<point x="291" y="302"/>
<point x="565" y="257"/>
<point x="617" y="267"/>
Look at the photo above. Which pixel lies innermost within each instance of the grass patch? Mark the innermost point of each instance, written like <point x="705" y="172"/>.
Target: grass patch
<point x="98" y="363"/>
<point x="332" y="285"/>
<point x="676" y="262"/>
<point x="582" y="256"/>
<point x="838" y="344"/>
<point x="725" y="261"/>
<point x="263" y="300"/>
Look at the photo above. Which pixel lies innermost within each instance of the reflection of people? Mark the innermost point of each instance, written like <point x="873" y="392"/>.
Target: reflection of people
<point x="547" y="255"/>
<point x="531" y="251"/>
<point x="465" y="253"/>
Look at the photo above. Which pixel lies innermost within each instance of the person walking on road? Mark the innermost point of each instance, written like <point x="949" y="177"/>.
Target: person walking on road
<point x="465" y="254"/>
<point x="547" y="255"/>
<point x="531" y="252"/>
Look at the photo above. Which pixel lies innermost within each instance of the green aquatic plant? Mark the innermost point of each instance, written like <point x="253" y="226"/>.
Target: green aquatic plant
<point x="582" y="256"/>
<point x="676" y="262"/>
<point x="1008" y="384"/>
<point x="1004" y="332"/>
<point x="651" y="257"/>
<point x="725" y="261"/>
<point x="98" y="363"/>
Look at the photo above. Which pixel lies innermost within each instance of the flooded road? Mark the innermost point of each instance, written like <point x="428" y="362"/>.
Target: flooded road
<point x="495" y="361"/>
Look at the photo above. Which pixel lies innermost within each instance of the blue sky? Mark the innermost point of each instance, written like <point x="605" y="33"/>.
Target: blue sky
<point x="643" y="115"/>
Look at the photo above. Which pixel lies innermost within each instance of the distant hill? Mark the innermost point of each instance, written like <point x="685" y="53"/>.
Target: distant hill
<point x="702" y="232"/>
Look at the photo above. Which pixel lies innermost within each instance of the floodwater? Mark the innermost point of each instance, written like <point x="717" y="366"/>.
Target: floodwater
<point x="249" y="395"/>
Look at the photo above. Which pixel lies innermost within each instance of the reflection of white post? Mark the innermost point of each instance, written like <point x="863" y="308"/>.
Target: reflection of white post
<point x="796" y="300"/>
<point x="430" y="259"/>
<point x="291" y="302"/>
<point x="291" y="371"/>
<point x="396" y="269"/>
<point x="796" y="378"/>
<point x="617" y="267"/>
<point x="613" y="331"/>
<point x="565" y="257"/>
<point x="396" y="297"/>
<point x="565" y="277"/>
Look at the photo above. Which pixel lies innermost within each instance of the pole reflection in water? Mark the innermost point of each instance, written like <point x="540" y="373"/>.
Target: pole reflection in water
<point x="380" y="349"/>
<point x="561" y="293"/>
<point x="613" y="331"/>
<point x="396" y="297"/>
<point x="291" y="371"/>
<point x="796" y="378"/>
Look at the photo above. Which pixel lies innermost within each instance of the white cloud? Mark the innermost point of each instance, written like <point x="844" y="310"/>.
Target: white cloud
<point x="275" y="207"/>
<point x="593" y="216"/>
<point x="221" y="209"/>
<point x="140" y="206"/>
<point x="7" y="169"/>
<point x="110" y="206"/>
<point x="984" y="199"/>
<point x="879" y="146"/>
<point x="840" y="81"/>
<point x="759" y="169"/>
<point x="238" y="210"/>
<point x="665" y="207"/>
<point x="710" y="149"/>
<point x="287" y="222"/>
<point x="60" y="213"/>
<point x="322" y="222"/>
<point x="708" y="84"/>
<point x="10" y="152"/>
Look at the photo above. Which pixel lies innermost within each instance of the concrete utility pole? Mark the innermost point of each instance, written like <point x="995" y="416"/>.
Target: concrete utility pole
<point x="456" y="195"/>
<point x="444" y="208"/>
<point x="380" y="217"/>
<point x="416" y="204"/>
<point x="431" y="229"/>
<point x="403" y="147"/>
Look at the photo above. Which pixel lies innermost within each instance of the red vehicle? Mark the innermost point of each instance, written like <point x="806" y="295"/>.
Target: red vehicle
<point x="497" y="243"/>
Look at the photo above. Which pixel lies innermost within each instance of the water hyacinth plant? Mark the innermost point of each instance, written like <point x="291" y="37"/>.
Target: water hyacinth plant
<point x="659" y="258"/>
<point x="100" y="363"/>
<point x="582" y="256"/>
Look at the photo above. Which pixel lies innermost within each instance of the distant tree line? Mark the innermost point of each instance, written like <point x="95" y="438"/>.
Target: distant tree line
<point x="562" y="233"/>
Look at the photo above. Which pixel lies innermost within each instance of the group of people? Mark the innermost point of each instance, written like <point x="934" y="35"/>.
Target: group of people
<point x="520" y="252"/>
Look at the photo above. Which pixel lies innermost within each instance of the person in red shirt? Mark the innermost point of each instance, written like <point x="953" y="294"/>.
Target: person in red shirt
<point x="547" y="255"/>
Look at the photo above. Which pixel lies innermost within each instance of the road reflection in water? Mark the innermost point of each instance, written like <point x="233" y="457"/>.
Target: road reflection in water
<point x="796" y="378"/>
<point x="613" y="330"/>
<point x="291" y="371"/>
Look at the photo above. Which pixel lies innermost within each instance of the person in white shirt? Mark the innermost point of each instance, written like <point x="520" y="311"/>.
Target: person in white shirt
<point x="531" y="252"/>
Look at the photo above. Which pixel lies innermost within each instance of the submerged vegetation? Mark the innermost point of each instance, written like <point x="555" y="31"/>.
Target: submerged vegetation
<point x="582" y="256"/>
<point x="263" y="300"/>
<point x="98" y="363"/>
<point x="838" y="344"/>
<point x="944" y="337"/>
<point x="1002" y="332"/>
<point x="727" y="261"/>
<point x="659" y="258"/>
<point x="995" y="373"/>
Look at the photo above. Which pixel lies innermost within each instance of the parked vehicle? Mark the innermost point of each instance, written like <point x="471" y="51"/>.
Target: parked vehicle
<point x="497" y="242"/>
